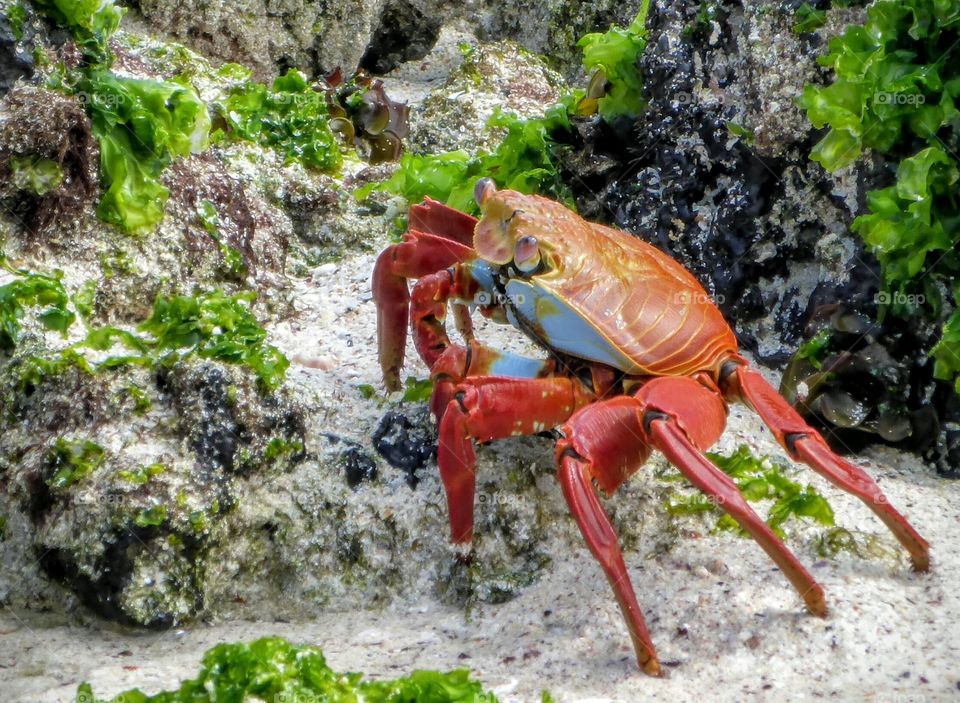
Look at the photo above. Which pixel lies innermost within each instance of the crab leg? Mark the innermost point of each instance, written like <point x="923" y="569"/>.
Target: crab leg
<point x="488" y="408"/>
<point x="681" y="418"/>
<point x="604" y="443"/>
<point x="607" y="441"/>
<point x="439" y="237"/>
<point x="805" y="444"/>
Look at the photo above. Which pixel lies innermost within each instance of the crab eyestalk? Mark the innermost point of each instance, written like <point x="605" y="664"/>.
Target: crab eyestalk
<point x="482" y="191"/>
<point x="527" y="255"/>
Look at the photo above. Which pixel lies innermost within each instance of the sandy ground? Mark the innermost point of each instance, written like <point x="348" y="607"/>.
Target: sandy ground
<point x="726" y="623"/>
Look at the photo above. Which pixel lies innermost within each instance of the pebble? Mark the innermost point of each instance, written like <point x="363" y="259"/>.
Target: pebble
<point x="322" y="271"/>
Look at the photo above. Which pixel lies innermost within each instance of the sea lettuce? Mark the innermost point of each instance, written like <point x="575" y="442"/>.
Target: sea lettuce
<point x="616" y="53"/>
<point x="273" y="669"/>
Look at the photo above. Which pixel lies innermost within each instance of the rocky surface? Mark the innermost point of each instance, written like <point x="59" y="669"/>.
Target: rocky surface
<point x="716" y="172"/>
<point x="377" y="35"/>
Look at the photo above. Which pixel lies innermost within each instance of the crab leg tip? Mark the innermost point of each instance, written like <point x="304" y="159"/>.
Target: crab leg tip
<point x="921" y="560"/>
<point x="815" y="601"/>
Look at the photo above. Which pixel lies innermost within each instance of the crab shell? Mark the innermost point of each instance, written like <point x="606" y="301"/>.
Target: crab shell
<point x="601" y="294"/>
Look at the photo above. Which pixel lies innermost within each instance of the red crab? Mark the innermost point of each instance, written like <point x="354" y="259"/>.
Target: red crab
<point x="637" y="359"/>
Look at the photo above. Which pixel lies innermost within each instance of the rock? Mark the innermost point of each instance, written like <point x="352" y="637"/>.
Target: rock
<point x="375" y="34"/>
<point x="125" y="521"/>
<point x="405" y="33"/>
<point x="552" y="28"/>
<point x="407" y="442"/>
<point x="36" y="123"/>
<point x="15" y="61"/>
<point x="358" y="466"/>
<point x="747" y="213"/>
<point x="489" y="76"/>
<point x="271" y="37"/>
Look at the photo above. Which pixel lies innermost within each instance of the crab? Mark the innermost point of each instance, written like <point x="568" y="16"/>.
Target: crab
<point x="638" y="359"/>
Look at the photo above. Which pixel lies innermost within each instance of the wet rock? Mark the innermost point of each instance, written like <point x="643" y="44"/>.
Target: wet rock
<point x="15" y="61"/>
<point x="716" y="173"/>
<point x="405" y="33"/>
<point x="489" y="76"/>
<point x="861" y="381"/>
<point x="271" y="37"/>
<point x="358" y="466"/>
<point x="552" y="28"/>
<point x="205" y="401"/>
<point x="38" y="124"/>
<point x="230" y="425"/>
<point x="120" y="503"/>
<point x="215" y="211"/>
<point x="406" y="441"/>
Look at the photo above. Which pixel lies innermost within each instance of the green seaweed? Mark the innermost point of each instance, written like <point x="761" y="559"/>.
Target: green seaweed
<point x="90" y="22"/>
<point x="280" y="446"/>
<point x="272" y="669"/>
<point x="615" y="54"/>
<point x="946" y="353"/>
<point x="757" y="478"/>
<point x="17" y="17"/>
<point x="233" y="264"/>
<point x="525" y="160"/>
<point x="141" y="125"/>
<point x="35" y="174"/>
<point x="897" y="78"/>
<point x="808" y="19"/>
<point x="210" y="325"/>
<point x="83" y="300"/>
<point x="154" y="516"/>
<point x="815" y="348"/>
<point x="290" y="117"/>
<point x="68" y="461"/>
<point x="417" y="390"/>
<point x="215" y="326"/>
<point x="32" y="290"/>
<point x="142" y="474"/>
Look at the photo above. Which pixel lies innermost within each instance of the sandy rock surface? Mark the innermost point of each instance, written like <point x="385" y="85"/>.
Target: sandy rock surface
<point x="723" y="617"/>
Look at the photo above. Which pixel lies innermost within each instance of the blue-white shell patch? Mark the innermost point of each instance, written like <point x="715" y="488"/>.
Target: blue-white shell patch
<point x="559" y="327"/>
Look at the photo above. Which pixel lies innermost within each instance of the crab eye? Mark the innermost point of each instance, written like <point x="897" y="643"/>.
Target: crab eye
<point x="482" y="191"/>
<point x="527" y="254"/>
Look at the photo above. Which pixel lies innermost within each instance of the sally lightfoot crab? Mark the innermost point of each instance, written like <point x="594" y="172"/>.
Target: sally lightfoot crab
<point x="637" y="359"/>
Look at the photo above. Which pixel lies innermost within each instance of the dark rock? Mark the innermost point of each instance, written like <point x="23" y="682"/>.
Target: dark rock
<point x="15" y="61"/>
<point x="211" y="426"/>
<point x="405" y="34"/>
<point x="731" y="211"/>
<point x="874" y="383"/>
<point x="407" y="442"/>
<point x="102" y="585"/>
<point x="358" y="466"/>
